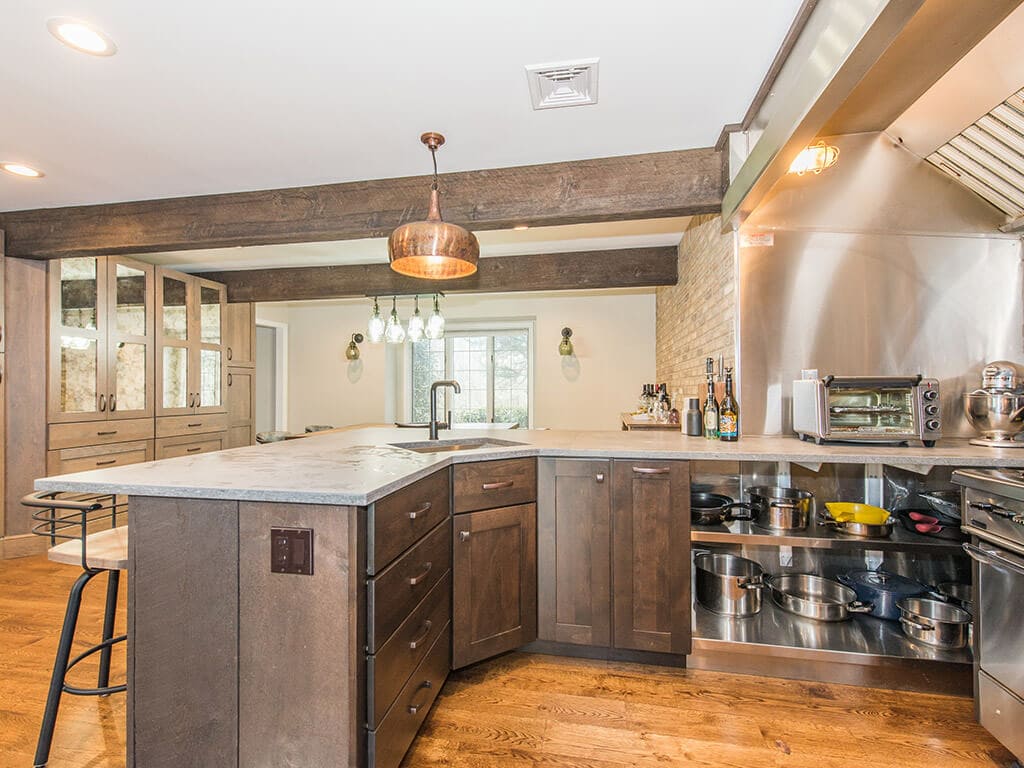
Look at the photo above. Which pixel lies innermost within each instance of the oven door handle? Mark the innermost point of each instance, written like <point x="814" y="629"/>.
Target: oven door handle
<point x="996" y="560"/>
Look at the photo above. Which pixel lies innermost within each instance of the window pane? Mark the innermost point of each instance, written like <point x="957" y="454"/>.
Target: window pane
<point x="512" y="378"/>
<point x="78" y="297"/>
<point x="77" y="375"/>
<point x="130" y="300"/>
<point x="175" y="312"/>
<point x="131" y="376"/>
<point x="209" y="375"/>
<point x="175" y="377"/>
<point x="470" y="369"/>
<point x="209" y="314"/>
<point x="427" y="367"/>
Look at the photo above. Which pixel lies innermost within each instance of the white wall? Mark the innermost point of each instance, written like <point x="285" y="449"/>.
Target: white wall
<point x="613" y="335"/>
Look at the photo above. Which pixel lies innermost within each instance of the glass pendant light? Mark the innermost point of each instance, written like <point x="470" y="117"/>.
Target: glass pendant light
<point x="375" y="328"/>
<point x="435" y="323"/>
<point x="394" y="333"/>
<point x="416" y="325"/>
<point x="433" y="249"/>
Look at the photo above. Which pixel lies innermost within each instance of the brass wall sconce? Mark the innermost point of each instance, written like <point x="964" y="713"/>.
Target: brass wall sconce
<point x="352" y="351"/>
<point x="565" y="346"/>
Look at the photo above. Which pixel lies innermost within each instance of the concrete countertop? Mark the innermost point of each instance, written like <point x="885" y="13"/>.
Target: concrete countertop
<point x="358" y="466"/>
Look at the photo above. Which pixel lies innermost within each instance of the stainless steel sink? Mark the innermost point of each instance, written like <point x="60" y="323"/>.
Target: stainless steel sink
<point x="465" y="444"/>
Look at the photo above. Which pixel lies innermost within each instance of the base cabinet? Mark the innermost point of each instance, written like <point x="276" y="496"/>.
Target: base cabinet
<point x="494" y="596"/>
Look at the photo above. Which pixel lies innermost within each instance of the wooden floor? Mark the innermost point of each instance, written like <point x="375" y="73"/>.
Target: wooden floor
<point x="532" y="711"/>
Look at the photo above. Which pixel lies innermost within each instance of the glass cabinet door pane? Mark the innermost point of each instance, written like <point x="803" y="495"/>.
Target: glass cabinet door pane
<point x="131" y="377"/>
<point x="175" y="310"/>
<point x="209" y="386"/>
<point x="175" y="377"/>
<point x="210" y="314"/>
<point x="78" y="383"/>
<point x="78" y="293"/>
<point x="130" y="300"/>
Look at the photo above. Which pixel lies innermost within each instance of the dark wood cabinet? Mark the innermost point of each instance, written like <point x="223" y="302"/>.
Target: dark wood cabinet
<point x="494" y="594"/>
<point x="651" y="555"/>
<point x="573" y="551"/>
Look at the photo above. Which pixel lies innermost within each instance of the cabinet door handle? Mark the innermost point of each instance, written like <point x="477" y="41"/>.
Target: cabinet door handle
<point x="106" y="463"/>
<point x="229" y="377"/>
<point x="106" y="433"/>
<point x="229" y="353"/>
<point x="193" y="449"/>
<point x="199" y="400"/>
<point x="113" y="403"/>
<point x="496" y="486"/>
<point x="463" y="535"/>
<point x="417" y="579"/>
<point x="422" y="509"/>
<point x="103" y="403"/>
<point x="414" y="708"/>
<point x="651" y="470"/>
<point x="191" y="401"/>
<point x="599" y="477"/>
<point x="414" y="644"/>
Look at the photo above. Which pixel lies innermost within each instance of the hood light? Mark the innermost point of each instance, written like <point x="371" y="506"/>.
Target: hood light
<point x="815" y="159"/>
<point x="81" y="36"/>
<point x="20" y="169"/>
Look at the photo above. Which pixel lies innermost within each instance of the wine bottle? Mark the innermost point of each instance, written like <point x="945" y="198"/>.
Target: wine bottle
<point x="729" y="413"/>
<point x="711" y="412"/>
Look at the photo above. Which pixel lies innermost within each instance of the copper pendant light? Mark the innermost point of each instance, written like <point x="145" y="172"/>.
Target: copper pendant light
<point x="433" y="249"/>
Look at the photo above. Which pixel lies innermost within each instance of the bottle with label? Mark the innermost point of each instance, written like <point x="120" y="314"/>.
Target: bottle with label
<point x="729" y="413"/>
<point x="711" y="412"/>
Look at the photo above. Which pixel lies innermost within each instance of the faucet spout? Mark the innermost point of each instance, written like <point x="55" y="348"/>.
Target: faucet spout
<point x="435" y="424"/>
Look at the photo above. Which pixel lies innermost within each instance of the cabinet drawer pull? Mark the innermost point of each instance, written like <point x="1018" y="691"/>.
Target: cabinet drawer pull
<point x="496" y="486"/>
<point x="193" y="449"/>
<point x="651" y="470"/>
<point x="106" y="463"/>
<point x="414" y="644"/>
<point x="463" y="535"/>
<point x="414" y="708"/>
<point x="417" y="512"/>
<point x="196" y="424"/>
<point x="106" y="433"/>
<point x="414" y="580"/>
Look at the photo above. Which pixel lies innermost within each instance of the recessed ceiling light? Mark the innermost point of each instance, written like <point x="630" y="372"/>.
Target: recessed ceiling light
<point x="20" y="169"/>
<point x="81" y="36"/>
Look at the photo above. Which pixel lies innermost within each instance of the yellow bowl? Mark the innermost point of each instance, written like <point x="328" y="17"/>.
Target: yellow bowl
<point x="852" y="512"/>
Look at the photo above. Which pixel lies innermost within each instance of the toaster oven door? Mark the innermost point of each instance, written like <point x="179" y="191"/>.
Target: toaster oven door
<point x="870" y="410"/>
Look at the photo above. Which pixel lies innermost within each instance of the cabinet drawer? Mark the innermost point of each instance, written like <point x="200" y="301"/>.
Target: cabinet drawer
<point x="397" y="521"/>
<point x="98" y="433"/>
<point x="389" y="670"/>
<point x="391" y="595"/>
<point x="388" y="743"/>
<point x="98" y="457"/>
<point x="1000" y="712"/>
<point x="189" y="445"/>
<point x="174" y="426"/>
<point x="489" y="484"/>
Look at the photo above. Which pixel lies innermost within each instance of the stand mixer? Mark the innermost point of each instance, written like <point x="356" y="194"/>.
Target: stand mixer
<point x="997" y="409"/>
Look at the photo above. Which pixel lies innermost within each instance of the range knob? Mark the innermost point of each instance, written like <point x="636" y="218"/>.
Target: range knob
<point x="1018" y="519"/>
<point x="931" y="409"/>
<point x="932" y="425"/>
<point x="930" y="394"/>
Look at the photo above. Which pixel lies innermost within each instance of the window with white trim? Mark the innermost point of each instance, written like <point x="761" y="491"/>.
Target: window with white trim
<point x="493" y="367"/>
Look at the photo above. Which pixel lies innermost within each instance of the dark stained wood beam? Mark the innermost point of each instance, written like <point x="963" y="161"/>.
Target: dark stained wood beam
<point x="623" y="268"/>
<point x="659" y="185"/>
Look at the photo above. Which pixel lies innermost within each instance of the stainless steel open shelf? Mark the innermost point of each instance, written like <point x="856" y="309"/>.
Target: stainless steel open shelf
<point x="774" y="632"/>
<point x="817" y="537"/>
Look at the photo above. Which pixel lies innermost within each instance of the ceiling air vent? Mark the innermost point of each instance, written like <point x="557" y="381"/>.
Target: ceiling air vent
<point x="566" y="84"/>
<point x="988" y="157"/>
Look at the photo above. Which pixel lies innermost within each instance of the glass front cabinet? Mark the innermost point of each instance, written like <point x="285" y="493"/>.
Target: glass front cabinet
<point x="101" y="339"/>
<point x="190" y="344"/>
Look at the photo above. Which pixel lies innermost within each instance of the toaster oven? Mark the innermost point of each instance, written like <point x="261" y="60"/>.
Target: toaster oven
<point x="869" y="409"/>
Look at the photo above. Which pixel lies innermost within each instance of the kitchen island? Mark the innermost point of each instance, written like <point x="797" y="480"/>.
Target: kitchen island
<point x="291" y="604"/>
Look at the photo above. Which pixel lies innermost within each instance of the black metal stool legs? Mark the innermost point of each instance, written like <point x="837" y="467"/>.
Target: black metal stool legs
<point x="113" y="580"/>
<point x="60" y="666"/>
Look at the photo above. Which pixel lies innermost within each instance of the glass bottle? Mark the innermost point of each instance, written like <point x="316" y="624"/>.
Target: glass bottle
<point x="729" y="418"/>
<point x="711" y="412"/>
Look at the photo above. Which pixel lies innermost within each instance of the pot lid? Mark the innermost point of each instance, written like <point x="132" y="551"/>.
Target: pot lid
<point x="883" y="581"/>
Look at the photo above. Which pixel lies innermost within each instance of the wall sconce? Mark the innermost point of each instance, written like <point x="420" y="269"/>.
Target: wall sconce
<point x="352" y="351"/>
<point x="565" y="346"/>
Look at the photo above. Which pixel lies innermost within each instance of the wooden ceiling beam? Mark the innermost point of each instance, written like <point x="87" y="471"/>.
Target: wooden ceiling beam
<point x="621" y="268"/>
<point x="658" y="185"/>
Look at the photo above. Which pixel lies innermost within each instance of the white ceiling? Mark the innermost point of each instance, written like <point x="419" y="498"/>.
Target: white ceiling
<point x="207" y="97"/>
<point x="506" y="242"/>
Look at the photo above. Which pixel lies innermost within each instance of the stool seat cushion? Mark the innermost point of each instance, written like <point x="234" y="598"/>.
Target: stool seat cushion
<point x="106" y="550"/>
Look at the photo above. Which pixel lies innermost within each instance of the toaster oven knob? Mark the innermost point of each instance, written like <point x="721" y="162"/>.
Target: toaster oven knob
<point x="930" y="394"/>
<point x="931" y="409"/>
<point x="932" y="425"/>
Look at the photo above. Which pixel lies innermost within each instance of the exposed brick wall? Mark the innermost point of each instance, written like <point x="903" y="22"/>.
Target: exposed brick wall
<point x="697" y="317"/>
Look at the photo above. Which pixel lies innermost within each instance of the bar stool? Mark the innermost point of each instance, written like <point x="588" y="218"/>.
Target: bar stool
<point x="76" y="519"/>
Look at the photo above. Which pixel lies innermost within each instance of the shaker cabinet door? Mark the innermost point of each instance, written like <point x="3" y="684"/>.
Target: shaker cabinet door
<point x="573" y="555"/>
<point x="494" y="595"/>
<point x="651" y="555"/>
<point x="131" y="342"/>
<point x="240" y="334"/>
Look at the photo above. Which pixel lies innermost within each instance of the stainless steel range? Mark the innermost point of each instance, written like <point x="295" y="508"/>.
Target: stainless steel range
<point x="993" y="514"/>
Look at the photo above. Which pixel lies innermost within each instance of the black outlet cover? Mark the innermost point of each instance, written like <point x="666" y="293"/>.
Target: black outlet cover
<point x="291" y="550"/>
